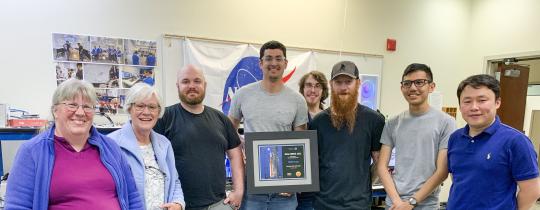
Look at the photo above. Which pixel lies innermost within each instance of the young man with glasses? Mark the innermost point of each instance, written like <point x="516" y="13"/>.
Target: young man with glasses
<point x="269" y="105"/>
<point x="420" y="138"/>
<point x="314" y="87"/>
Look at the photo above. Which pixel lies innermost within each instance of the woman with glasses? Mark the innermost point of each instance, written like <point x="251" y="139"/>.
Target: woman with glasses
<point x="71" y="165"/>
<point x="149" y="154"/>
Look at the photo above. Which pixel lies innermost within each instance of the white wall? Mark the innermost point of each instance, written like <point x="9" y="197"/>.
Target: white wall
<point x="433" y="32"/>
<point x="503" y="27"/>
<point x="534" y="73"/>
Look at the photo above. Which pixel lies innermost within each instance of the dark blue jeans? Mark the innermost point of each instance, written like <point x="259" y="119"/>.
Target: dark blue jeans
<point x="272" y="201"/>
<point x="305" y="200"/>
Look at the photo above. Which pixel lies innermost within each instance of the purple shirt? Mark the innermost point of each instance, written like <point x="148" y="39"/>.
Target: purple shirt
<point x="80" y="180"/>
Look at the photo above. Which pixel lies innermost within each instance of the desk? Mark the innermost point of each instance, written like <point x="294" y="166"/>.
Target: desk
<point x="18" y="134"/>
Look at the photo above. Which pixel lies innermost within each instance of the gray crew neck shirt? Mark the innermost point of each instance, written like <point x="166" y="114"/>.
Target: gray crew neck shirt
<point x="417" y="140"/>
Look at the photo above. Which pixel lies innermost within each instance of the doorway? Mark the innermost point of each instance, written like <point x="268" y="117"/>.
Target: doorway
<point x="520" y="102"/>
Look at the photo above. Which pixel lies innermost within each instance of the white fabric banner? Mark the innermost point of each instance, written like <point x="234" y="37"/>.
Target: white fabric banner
<point x="228" y="67"/>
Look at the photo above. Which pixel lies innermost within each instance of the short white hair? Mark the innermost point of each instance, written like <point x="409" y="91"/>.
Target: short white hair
<point x="72" y="88"/>
<point x="139" y="92"/>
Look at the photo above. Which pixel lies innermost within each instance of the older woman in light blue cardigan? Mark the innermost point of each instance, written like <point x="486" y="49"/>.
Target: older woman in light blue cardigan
<point x="149" y="154"/>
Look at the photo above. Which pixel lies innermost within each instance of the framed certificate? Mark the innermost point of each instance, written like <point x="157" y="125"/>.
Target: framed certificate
<point x="285" y="161"/>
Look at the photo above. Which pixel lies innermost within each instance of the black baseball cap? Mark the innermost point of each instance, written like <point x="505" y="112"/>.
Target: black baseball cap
<point x="344" y="68"/>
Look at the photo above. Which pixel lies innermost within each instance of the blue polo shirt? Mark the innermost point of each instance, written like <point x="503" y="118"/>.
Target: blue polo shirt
<point x="485" y="168"/>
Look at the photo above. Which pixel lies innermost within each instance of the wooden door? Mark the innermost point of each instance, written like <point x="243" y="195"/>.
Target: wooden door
<point x="514" y="81"/>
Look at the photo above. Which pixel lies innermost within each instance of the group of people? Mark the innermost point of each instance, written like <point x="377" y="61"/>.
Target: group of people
<point x="110" y="54"/>
<point x="68" y="52"/>
<point x="140" y="57"/>
<point x="172" y="157"/>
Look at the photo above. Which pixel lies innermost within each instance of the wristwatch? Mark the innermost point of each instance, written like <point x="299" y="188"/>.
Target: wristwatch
<point x="412" y="201"/>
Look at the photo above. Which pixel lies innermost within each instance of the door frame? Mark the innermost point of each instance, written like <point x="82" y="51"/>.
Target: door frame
<point x="490" y="67"/>
<point x="489" y="63"/>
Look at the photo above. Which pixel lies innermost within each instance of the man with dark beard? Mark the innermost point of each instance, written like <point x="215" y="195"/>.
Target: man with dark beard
<point x="265" y="106"/>
<point x="200" y="137"/>
<point x="348" y="135"/>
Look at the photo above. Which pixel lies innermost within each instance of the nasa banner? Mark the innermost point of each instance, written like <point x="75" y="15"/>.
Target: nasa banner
<point x="228" y="67"/>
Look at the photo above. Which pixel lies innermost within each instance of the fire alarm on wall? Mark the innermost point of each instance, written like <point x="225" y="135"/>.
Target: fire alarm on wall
<point x="390" y="44"/>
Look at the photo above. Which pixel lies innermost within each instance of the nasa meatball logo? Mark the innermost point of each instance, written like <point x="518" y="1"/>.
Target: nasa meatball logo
<point x="245" y="72"/>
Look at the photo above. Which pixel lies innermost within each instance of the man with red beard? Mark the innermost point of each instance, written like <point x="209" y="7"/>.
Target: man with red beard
<point x="348" y="135"/>
<point x="200" y="137"/>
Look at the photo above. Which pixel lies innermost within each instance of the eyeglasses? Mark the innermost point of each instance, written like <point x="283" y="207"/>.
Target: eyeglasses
<point x="418" y="83"/>
<point x="73" y="107"/>
<point x="316" y="86"/>
<point x="151" y="107"/>
<point x="156" y="172"/>
<point x="278" y="59"/>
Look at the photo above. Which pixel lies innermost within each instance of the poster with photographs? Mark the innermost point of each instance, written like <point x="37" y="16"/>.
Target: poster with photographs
<point x="132" y="75"/>
<point x="107" y="50"/>
<point x="111" y="101"/>
<point x="102" y="76"/>
<point x="65" y="70"/>
<point x="69" y="47"/>
<point x="139" y="52"/>
<point x="111" y="65"/>
<point x="110" y="108"/>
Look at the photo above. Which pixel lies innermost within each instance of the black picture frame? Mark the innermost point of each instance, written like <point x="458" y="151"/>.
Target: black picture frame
<point x="285" y="161"/>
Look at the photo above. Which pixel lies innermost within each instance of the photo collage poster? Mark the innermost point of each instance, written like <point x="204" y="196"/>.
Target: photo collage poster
<point x="111" y="65"/>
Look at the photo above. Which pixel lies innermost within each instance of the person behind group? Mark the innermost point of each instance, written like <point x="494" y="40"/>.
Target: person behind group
<point x="71" y="165"/>
<point x="420" y="138"/>
<point x="149" y="154"/>
<point x="488" y="159"/>
<point x="269" y="105"/>
<point x="200" y="137"/>
<point x="348" y="135"/>
<point x="314" y="87"/>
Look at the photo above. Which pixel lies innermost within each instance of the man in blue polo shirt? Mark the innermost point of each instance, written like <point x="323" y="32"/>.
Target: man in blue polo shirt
<point x="488" y="159"/>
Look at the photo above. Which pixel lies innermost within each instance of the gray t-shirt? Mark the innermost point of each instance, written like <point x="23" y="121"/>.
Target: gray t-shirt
<point x="265" y="112"/>
<point x="417" y="140"/>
